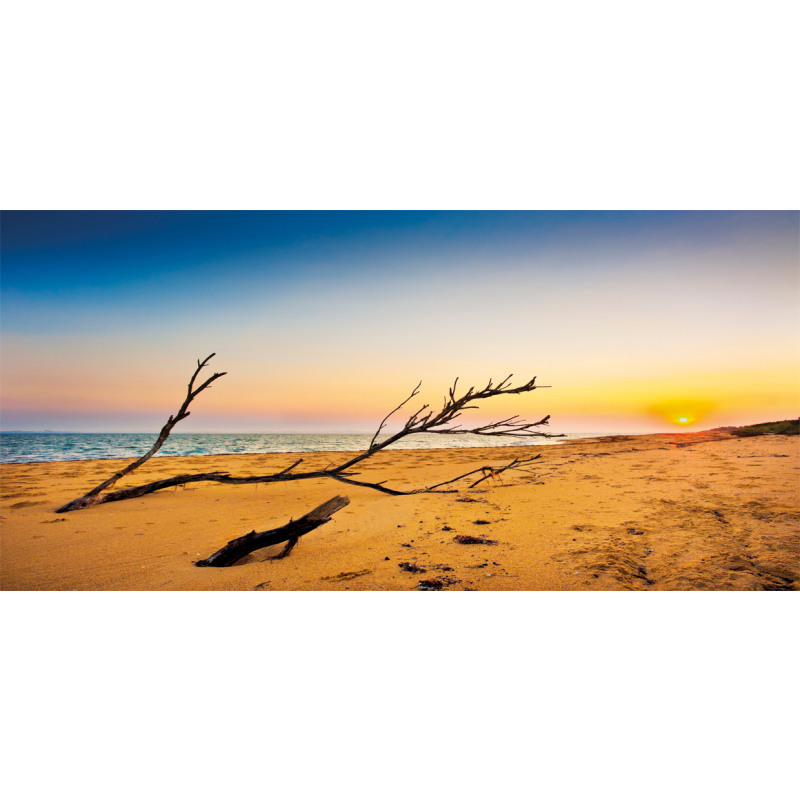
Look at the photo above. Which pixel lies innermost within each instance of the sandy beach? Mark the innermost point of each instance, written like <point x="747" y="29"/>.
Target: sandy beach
<point x="704" y="511"/>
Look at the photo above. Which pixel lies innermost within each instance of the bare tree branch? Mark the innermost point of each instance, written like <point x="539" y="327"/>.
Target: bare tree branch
<point x="420" y="422"/>
<point x="91" y="497"/>
<point x="424" y="420"/>
<point x="488" y="472"/>
<point x="383" y="422"/>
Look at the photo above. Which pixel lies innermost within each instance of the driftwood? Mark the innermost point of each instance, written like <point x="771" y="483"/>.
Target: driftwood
<point x="289" y="533"/>
<point x="422" y="421"/>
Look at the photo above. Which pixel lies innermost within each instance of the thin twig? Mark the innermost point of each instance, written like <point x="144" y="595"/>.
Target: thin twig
<point x="383" y="422"/>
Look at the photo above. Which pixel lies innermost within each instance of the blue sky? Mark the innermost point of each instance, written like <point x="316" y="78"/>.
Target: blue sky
<point x="324" y="319"/>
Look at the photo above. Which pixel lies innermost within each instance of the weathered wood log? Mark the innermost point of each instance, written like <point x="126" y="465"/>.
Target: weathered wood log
<point x="291" y="532"/>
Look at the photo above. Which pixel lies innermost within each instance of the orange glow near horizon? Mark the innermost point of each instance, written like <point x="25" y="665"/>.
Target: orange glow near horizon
<point x="295" y="399"/>
<point x="355" y="396"/>
<point x="683" y="412"/>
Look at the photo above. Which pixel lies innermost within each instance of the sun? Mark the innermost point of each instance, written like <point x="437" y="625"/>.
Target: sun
<point x="682" y="411"/>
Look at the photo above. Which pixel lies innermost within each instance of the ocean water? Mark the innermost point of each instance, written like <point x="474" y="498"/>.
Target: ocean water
<point x="28" y="447"/>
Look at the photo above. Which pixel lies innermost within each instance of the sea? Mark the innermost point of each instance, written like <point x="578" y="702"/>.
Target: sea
<point x="16" y="448"/>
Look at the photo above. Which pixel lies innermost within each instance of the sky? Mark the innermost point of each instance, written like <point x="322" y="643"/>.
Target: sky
<point x="324" y="321"/>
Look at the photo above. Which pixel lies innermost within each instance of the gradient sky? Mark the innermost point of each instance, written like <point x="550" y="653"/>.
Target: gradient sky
<point x="326" y="320"/>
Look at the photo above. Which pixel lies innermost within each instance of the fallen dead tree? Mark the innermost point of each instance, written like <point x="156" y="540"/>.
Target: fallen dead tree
<point x="290" y="533"/>
<point x="425" y="420"/>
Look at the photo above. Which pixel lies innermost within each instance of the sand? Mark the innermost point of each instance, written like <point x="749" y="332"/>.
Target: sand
<point x="704" y="511"/>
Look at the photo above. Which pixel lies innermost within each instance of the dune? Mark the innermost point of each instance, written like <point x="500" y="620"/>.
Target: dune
<point x="704" y="511"/>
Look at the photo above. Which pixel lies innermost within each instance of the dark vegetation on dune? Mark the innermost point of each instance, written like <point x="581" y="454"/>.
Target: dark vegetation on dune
<point x="787" y="427"/>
